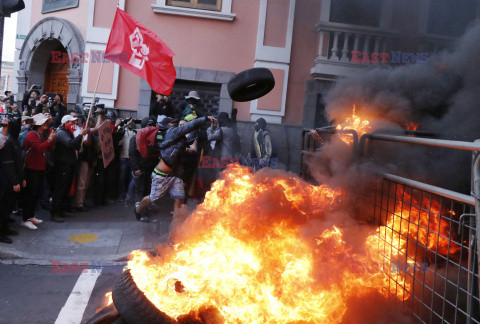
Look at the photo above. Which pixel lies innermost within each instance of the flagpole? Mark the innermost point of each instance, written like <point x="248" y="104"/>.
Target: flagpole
<point x="94" y="94"/>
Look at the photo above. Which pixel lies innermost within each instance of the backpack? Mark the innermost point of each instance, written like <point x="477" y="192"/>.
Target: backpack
<point x="147" y="141"/>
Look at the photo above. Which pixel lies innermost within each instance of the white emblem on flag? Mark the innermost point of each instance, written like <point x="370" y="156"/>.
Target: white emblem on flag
<point x="140" y="50"/>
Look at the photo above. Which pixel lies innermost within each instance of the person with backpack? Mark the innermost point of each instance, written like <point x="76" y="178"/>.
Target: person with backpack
<point x="36" y="149"/>
<point x="172" y="144"/>
<point x="142" y="164"/>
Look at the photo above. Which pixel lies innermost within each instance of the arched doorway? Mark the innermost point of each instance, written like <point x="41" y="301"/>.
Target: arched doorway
<point x="50" y="68"/>
<point x="53" y="73"/>
<point x="56" y="75"/>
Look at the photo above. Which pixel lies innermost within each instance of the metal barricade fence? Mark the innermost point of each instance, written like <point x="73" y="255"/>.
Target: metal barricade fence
<point x="428" y="236"/>
<point x="434" y="270"/>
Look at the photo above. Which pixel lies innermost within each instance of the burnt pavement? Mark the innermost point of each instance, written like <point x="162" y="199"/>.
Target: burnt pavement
<point x="107" y="235"/>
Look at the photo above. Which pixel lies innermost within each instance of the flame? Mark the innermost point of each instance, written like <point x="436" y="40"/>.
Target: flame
<point x="356" y="123"/>
<point x="107" y="301"/>
<point x="412" y="126"/>
<point x="246" y="252"/>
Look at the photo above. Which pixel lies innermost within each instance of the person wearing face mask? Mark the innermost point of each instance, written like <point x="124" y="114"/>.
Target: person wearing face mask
<point x="163" y="106"/>
<point x="36" y="149"/>
<point x="65" y="157"/>
<point x="261" y="150"/>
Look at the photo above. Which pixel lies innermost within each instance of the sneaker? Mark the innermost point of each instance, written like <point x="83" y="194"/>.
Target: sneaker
<point x="5" y="239"/>
<point x="28" y="224"/>
<point x="138" y="215"/>
<point x="36" y="221"/>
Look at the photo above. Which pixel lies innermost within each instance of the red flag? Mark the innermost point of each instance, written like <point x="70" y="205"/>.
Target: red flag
<point x="140" y="51"/>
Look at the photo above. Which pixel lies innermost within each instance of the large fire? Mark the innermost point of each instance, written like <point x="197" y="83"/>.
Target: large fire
<point x="260" y="250"/>
<point x="356" y="123"/>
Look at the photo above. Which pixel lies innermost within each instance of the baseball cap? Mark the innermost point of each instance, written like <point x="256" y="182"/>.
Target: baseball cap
<point x="24" y="118"/>
<point x="40" y="119"/>
<point x="68" y="118"/>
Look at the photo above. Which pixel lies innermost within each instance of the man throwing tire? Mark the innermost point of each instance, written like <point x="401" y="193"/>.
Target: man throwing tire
<point x="164" y="179"/>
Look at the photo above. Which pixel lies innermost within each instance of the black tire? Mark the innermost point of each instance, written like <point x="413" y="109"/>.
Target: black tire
<point x="251" y="84"/>
<point x="133" y="306"/>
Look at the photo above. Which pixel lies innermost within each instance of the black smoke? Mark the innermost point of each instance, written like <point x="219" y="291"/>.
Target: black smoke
<point x="441" y="95"/>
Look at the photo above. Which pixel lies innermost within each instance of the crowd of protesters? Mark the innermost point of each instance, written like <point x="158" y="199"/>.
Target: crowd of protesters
<point x="51" y="158"/>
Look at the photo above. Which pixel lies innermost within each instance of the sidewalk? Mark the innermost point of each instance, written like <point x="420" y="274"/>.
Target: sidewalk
<point x="105" y="235"/>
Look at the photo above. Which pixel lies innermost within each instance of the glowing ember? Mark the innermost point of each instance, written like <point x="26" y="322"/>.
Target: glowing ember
<point x="355" y="122"/>
<point x="249" y="251"/>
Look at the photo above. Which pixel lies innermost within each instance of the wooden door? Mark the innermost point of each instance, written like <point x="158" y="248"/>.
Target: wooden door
<point x="56" y="80"/>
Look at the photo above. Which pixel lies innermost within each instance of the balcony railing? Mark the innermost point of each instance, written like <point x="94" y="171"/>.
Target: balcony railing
<point x="338" y="41"/>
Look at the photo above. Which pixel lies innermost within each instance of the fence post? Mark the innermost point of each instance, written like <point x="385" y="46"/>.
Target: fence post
<point x="476" y="194"/>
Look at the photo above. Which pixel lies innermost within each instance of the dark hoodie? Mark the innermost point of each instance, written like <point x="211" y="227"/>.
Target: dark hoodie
<point x="175" y="141"/>
<point x="66" y="146"/>
<point x="11" y="157"/>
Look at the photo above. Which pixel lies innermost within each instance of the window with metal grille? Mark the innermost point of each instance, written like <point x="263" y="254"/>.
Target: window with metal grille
<point x="209" y="95"/>
<point x="197" y="4"/>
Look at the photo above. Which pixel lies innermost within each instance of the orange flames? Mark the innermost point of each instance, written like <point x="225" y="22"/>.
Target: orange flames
<point x="355" y="122"/>
<point x="412" y="126"/>
<point x="258" y="251"/>
<point x="107" y="300"/>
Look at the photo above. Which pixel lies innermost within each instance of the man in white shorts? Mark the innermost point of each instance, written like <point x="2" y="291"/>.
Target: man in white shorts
<point x="173" y="144"/>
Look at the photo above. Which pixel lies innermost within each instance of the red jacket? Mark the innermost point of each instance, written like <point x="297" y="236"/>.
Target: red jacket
<point x="37" y="149"/>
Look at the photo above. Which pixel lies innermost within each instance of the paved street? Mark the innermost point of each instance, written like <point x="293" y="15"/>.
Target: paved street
<point x="36" y="294"/>
<point x="109" y="233"/>
<point x="41" y="279"/>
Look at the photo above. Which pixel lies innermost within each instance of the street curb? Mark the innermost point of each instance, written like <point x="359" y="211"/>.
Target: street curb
<point x="25" y="262"/>
<point x="17" y="257"/>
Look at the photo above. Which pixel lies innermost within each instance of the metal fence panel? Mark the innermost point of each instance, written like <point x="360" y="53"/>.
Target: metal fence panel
<point x="430" y="250"/>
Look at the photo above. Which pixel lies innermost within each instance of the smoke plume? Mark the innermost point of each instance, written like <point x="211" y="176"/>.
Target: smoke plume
<point x="441" y="96"/>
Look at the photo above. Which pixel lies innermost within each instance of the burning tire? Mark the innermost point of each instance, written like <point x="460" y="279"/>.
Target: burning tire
<point x="108" y="315"/>
<point x="251" y="84"/>
<point x="133" y="306"/>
